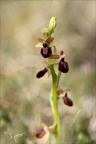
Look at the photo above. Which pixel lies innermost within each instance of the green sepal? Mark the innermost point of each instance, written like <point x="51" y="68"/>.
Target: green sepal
<point x="54" y="49"/>
<point x="49" y="73"/>
<point x="45" y="36"/>
<point x="44" y="33"/>
<point x="39" y="45"/>
<point x="53" y="43"/>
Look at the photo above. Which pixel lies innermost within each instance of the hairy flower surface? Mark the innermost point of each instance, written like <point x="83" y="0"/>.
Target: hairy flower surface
<point x="63" y="66"/>
<point x="46" y="52"/>
<point x="41" y="73"/>
<point x="67" y="100"/>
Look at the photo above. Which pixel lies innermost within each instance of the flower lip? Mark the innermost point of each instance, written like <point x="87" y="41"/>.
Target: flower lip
<point x="41" y="73"/>
<point x="67" y="100"/>
<point x="40" y="133"/>
<point x="63" y="66"/>
<point x="46" y="52"/>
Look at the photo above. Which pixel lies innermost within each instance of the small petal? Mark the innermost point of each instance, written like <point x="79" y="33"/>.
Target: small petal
<point x="41" y="40"/>
<point x="67" y="100"/>
<point x="62" y="52"/>
<point x="41" y="73"/>
<point x="50" y="39"/>
<point x="60" y="91"/>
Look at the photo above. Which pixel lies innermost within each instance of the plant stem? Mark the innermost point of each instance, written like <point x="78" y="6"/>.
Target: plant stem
<point x="54" y="103"/>
<point x="58" y="77"/>
<point x="55" y="82"/>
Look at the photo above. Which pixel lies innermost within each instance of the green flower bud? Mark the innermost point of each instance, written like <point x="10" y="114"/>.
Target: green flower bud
<point x="52" y="25"/>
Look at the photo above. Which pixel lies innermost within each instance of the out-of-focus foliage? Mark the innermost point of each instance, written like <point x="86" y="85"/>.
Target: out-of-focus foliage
<point x="24" y="100"/>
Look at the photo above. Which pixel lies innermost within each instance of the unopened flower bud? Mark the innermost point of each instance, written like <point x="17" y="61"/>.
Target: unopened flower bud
<point x="41" y="73"/>
<point x="67" y="100"/>
<point x="63" y="66"/>
<point x="40" y="133"/>
<point x="52" y="23"/>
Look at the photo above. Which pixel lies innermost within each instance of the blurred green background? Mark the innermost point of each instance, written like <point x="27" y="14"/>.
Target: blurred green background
<point x="24" y="99"/>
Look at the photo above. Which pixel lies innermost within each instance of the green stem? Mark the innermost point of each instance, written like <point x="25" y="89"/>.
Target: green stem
<point x="58" y="77"/>
<point x="55" y="80"/>
<point x="54" y="103"/>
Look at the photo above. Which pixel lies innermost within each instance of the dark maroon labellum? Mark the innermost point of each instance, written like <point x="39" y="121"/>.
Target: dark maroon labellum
<point x="46" y="52"/>
<point x="63" y="66"/>
<point x="40" y="133"/>
<point x="41" y="73"/>
<point x="67" y="100"/>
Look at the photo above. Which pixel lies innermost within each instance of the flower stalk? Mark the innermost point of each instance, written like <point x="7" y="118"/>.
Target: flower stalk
<point x="48" y="47"/>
